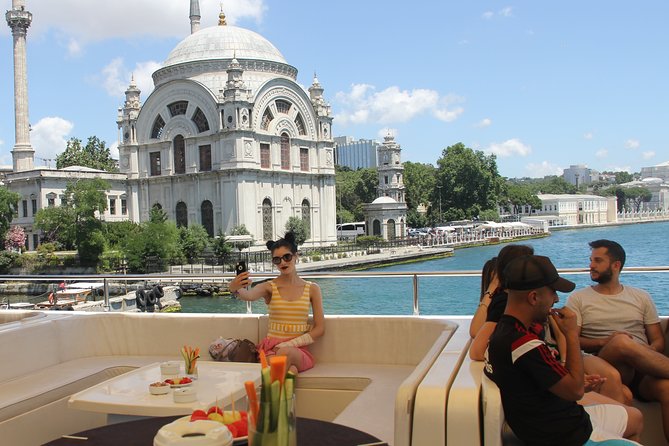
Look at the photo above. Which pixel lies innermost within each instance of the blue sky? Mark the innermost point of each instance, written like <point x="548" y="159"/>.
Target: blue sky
<point x="541" y="84"/>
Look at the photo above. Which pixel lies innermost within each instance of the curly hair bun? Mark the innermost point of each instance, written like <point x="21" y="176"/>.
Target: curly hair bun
<point x="269" y="244"/>
<point x="290" y="237"/>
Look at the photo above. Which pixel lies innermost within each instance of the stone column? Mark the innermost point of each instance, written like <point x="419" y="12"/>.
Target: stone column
<point x="19" y="20"/>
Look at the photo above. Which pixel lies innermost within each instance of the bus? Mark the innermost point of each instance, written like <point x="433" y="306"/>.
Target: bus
<point x="347" y="231"/>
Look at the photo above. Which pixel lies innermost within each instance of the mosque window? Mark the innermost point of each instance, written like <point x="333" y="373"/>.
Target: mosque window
<point x="158" y="126"/>
<point x="299" y="123"/>
<point x="207" y="214"/>
<point x="205" y="158"/>
<point x="200" y="121"/>
<point x="24" y="205"/>
<point x="154" y="158"/>
<point x="390" y="225"/>
<point x="33" y="203"/>
<point x="124" y="206"/>
<point x="266" y="119"/>
<point x="179" y="146"/>
<point x="376" y="228"/>
<point x="182" y="215"/>
<point x="306" y="215"/>
<point x="178" y="108"/>
<point x="282" y="106"/>
<point x="304" y="159"/>
<point x="267" y="219"/>
<point x="285" y="151"/>
<point x="264" y="156"/>
<point x="112" y="206"/>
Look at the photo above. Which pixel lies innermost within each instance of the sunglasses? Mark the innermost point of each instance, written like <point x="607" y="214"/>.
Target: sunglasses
<point x="286" y="257"/>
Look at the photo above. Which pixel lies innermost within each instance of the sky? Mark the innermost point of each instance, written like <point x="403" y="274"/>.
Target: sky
<point x="541" y="85"/>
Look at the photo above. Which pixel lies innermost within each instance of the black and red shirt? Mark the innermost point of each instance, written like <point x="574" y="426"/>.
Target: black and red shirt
<point x="524" y="368"/>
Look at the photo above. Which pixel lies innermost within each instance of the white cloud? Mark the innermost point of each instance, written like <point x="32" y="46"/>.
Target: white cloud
<point x="90" y="21"/>
<point x="632" y="144"/>
<point x="510" y="147"/>
<point x="588" y="135"/>
<point x="542" y="169"/>
<point x="601" y="153"/>
<point x="463" y="42"/>
<point x="506" y="12"/>
<point x="74" y="48"/>
<point x="488" y="15"/>
<point x="49" y="136"/>
<point x="648" y="155"/>
<point x="619" y="169"/>
<point x="363" y="104"/>
<point x="115" y="77"/>
<point x="485" y="122"/>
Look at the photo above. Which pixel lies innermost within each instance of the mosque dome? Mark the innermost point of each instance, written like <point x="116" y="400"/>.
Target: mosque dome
<point x="385" y="200"/>
<point x="224" y="42"/>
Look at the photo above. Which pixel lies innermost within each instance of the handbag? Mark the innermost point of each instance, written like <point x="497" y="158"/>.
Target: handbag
<point x="233" y="350"/>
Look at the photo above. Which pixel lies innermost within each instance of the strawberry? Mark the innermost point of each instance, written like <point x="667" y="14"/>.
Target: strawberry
<point x="241" y="426"/>
<point x="233" y="430"/>
<point x="198" y="415"/>
<point x="170" y="382"/>
<point x="213" y="409"/>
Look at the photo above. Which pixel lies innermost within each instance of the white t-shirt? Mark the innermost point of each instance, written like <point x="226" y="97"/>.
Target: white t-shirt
<point x="600" y="315"/>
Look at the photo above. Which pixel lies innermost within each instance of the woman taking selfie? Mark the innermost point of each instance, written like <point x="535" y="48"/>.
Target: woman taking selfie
<point x="288" y="298"/>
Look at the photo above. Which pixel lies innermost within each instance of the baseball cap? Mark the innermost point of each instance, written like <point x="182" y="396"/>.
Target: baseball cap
<point x="529" y="272"/>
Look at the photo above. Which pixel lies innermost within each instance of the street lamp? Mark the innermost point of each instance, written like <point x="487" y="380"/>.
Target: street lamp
<point x="439" y="188"/>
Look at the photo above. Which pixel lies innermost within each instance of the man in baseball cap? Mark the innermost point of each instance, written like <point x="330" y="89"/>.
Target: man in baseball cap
<point x="539" y="394"/>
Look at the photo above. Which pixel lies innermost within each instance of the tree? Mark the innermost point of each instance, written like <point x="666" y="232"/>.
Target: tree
<point x="58" y="226"/>
<point x="240" y="230"/>
<point x="95" y="155"/>
<point x="15" y="238"/>
<point x="221" y="247"/>
<point x="156" y="238"/>
<point x="467" y="181"/>
<point x="9" y="201"/>
<point x="354" y="188"/>
<point x="299" y="228"/>
<point x="193" y="239"/>
<point x="419" y="181"/>
<point x="517" y="194"/>
<point x="636" y="196"/>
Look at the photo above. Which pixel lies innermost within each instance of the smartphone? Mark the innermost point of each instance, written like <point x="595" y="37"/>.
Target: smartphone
<point x="240" y="267"/>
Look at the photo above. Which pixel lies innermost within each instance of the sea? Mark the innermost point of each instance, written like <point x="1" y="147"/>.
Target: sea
<point x="645" y="244"/>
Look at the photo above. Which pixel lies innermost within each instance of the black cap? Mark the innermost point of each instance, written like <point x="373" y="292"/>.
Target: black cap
<point x="531" y="272"/>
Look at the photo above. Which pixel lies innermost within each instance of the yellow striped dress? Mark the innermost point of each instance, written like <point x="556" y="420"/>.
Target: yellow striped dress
<point x="288" y="318"/>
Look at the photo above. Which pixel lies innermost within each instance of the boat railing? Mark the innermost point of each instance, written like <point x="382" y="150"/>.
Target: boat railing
<point x="414" y="276"/>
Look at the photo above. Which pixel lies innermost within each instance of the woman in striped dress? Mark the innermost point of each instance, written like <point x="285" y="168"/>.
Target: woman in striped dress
<point x="288" y="298"/>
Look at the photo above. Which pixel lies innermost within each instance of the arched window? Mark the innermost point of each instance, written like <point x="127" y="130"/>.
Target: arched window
<point x="391" y="229"/>
<point x="266" y="119"/>
<point x="376" y="227"/>
<point x="178" y="108"/>
<point x="282" y="106"/>
<point x="285" y="151"/>
<point x="179" y="147"/>
<point x="158" y="126"/>
<point x="182" y="214"/>
<point x="207" y="214"/>
<point x="306" y="216"/>
<point x="267" y="231"/>
<point x="200" y="120"/>
<point x="299" y="123"/>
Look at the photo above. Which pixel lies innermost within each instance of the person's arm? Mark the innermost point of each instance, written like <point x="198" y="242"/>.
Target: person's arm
<point x="480" y="314"/>
<point x="559" y="337"/>
<point x="238" y="287"/>
<point x="480" y="342"/>
<point x="571" y="386"/>
<point x="655" y="337"/>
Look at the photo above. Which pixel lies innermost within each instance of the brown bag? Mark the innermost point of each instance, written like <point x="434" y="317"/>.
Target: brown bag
<point x="233" y="350"/>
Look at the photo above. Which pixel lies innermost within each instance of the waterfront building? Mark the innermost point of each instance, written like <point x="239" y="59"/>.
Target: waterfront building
<point x="575" y="209"/>
<point x="578" y="174"/>
<point x="360" y="154"/>
<point x="658" y="171"/>
<point x="386" y="215"/>
<point x="658" y="187"/>
<point x="227" y="138"/>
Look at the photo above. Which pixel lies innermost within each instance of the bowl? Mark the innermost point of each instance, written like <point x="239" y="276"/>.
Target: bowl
<point x="184" y="395"/>
<point x="170" y="368"/>
<point x="196" y="433"/>
<point x="159" y="388"/>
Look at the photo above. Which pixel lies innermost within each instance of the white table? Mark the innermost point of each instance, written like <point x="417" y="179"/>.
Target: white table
<point x="128" y="394"/>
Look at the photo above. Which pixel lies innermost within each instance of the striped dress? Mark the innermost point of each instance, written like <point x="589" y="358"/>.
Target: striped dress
<point x="288" y="318"/>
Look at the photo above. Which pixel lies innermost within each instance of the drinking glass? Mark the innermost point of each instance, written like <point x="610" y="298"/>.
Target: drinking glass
<point x="272" y="426"/>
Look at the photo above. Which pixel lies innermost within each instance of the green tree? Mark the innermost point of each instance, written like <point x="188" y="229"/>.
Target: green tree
<point x="518" y="193"/>
<point x="117" y="231"/>
<point x="240" y="230"/>
<point x="636" y="196"/>
<point x="554" y="184"/>
<point x="95" y="154"/>
<point x="221" y="247"/>
<point x="58" y="226"/>
<point x="299" y="228"/>
<point x="9" y="202"/>
<point x="354" y="188"/>
<point x="419" y="181"/>
<point x="467" y="182"/>
<point x="193" y="240"/>
<point x="156" y="238"/>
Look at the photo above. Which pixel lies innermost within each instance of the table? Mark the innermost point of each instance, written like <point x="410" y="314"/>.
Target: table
<point x="128" y="394"/>
<point x="141" y="432"/>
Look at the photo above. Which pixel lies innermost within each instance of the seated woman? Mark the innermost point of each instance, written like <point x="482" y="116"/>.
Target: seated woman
<point x="288" y="298"/>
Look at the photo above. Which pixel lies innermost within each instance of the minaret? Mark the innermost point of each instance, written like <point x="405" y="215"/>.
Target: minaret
<point x="322" y="109"/>
<point x="194" y="16"/>
<point x="19" y="20"/>
<point x="391" y="170"/>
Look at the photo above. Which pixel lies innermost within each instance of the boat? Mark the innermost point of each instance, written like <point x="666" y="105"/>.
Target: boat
<point x="411" y="384"/>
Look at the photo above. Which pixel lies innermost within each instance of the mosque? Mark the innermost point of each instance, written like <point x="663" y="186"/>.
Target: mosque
<point x="226" y="138"/>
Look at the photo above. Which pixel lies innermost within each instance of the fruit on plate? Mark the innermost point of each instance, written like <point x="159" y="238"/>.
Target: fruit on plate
<point x="230" y="416"/>
<point x="216" y="409"/>
<point x="179" y="381"/>
<point x="215" y="416"/>
<point x="198" y="415"/>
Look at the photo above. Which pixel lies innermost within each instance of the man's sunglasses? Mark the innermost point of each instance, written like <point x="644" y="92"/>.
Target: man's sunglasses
<point x="286" y="257"/>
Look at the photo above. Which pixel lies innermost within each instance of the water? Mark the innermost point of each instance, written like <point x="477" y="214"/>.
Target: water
<point x="645" y="245"/>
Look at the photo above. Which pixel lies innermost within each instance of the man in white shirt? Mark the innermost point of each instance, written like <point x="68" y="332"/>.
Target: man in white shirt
<point x="620" y="324"/>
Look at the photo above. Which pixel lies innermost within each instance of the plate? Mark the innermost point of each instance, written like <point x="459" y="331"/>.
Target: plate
<point x="239" y="441"/>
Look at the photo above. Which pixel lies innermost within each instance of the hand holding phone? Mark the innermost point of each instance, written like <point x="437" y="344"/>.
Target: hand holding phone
<point x="240" y="267"/>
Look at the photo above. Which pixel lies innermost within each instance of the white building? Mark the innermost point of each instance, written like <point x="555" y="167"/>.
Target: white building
<point x="228" y="137"/>
<point x="574" y="209"/>
<point x="659" y="171"/>
<point x="358" y="154"/>
<point x="578" y="174"/>
<point x="659" y="189"/>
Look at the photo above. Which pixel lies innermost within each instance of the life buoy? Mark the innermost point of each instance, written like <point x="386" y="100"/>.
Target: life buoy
<point x="151" y="299"/>
<point x="158" y="291"/>
<point x="140" y="300"/>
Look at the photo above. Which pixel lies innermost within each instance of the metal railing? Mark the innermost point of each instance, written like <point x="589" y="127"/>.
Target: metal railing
<point x="223" y="278"/>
